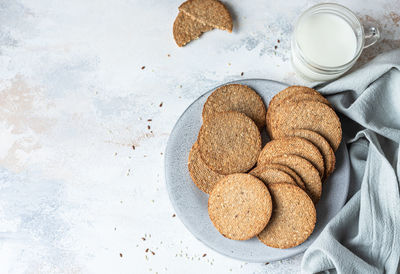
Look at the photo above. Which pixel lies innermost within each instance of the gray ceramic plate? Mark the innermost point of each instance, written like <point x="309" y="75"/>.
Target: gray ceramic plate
<point x="190" y="203"/>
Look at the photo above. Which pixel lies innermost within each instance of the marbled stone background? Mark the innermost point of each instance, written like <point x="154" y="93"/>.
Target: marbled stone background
<point x="89" y="92"/>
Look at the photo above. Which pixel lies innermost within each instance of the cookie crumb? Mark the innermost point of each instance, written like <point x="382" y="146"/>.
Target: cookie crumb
<point x="169" y="55"/>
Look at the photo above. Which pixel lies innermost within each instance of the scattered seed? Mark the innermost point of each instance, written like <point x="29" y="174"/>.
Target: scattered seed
<point x="169" y="55"/>
<point x="268" y="263"/>
<point x="161" y="104"/>
<point x="279" y="41"/>
<point x="149" y="120"/>
<point x="242" y="74"/>
<point x="173" y="215"/>
<point x="133" y="147"/>
<point x="204" y="254"/>
<point x="120" y="254"/>
<point x="276" y="47"/>
<point x="148" y="126"/>
<point x="152" y="252"/>
<point x="147" y="250"/>
<point x="143" y="239"/>
<point x="143" y="67"/>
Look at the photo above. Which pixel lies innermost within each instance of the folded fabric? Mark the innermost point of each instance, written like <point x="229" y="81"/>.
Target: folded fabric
<point x="364" y="237"/>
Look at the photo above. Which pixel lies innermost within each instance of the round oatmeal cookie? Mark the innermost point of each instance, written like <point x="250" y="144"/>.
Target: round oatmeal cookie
<point x="293" y="93"/>
<point x="293" y="145"/>
<point x="311" y="115"/>
<point x="203" y="177"/>
<point x="229" y="142"/>
<point x="291" y="172"/>
<point x="322" y="144"/>
<point x="238" y="98"/>
<point x="271" y="175"/>
<point x="307" y="172"/>
<point x="293" y="218"/>
<point x="239" y="206"/>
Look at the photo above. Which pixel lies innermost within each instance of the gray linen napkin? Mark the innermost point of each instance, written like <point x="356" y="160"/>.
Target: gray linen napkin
<point x="364" y="237"/>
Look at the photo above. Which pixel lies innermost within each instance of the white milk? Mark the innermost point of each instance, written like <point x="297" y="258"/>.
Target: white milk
<point x="326" y="39"/>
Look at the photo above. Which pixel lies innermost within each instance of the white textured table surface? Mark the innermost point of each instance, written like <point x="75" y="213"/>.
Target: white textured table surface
<point x="89" y="92"/>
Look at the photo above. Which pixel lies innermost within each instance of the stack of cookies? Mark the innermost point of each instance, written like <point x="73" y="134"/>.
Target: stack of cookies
<point x="267" y="192"/>
<point x="198" y="16"/>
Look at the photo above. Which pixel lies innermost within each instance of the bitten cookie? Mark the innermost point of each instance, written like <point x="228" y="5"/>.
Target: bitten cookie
<point x="186" y="29"/>
<point x="229" y="142"/>
<point x="293" y="218"/>
<point x="239" y="206"/>
<point x="203" y="177"/>
<point x="292" y="145"/>
<point x="208" y="12"/>
<point x="238" y="98"/>
<point x="307" y="172"/>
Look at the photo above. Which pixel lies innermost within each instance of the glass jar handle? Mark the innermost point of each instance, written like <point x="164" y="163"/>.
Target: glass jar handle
<point x="372" y="36"/>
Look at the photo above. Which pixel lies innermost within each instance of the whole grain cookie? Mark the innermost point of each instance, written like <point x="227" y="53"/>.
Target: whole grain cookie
<point x="203" y="177"/>
<point x="291" y="172"/>
<point x="322" y="144"/>
<point x="307" y="172"/>
<point x="229" y="142"/>
<point x="289" y="91"/>
<point x="238" y="98"/>
<point x="239" y="206"/>
<point x="292" y="145"/>
<point x="271" y="175"/>
<point x="208" y="12"/>
<point x="293" y="218"/>
<point x="292" y="93"/>
<point x="186" y="29"/>
<point x="310" y="115"/>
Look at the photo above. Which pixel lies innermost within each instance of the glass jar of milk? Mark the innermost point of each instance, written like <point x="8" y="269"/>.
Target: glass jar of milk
<point x="327" y="41"/>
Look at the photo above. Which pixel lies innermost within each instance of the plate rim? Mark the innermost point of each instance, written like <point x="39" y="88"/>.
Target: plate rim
<point x="176" y="208"/>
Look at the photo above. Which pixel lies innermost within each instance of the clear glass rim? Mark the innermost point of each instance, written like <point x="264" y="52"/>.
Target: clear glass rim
<point x="328" y="69"/>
